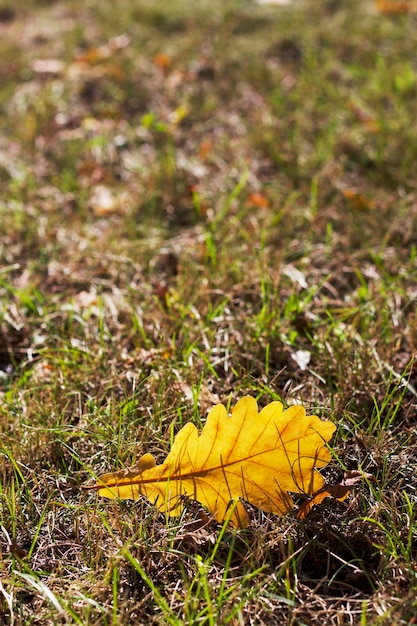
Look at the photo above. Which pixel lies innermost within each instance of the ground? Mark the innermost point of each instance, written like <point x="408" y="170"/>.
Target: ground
<point x="202" y="201"/>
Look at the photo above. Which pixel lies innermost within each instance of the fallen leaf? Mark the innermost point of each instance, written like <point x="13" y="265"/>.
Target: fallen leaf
<point x="353" y="477"/>
<point x="106" y="51"/>
<point x="104" y="201"/>
<point x="357" y="200"/>
<point x="260" y="457"/>
<point x="85" y="300"/>
<point x="390" y="6"/>
<point x="23" y="280"/>
<point x="42" y="371"/>
<point x="47" y="66"/>
<point x="302" y="358"/>
<point x="365" y="118"/>
<point x="179" y="114"/>
<point x="258" y="199"/>
<point x="205" y="149"/>
<point x="295" y="275"/>
<point x="163" y="61"/>
<point x="339" y="492"/>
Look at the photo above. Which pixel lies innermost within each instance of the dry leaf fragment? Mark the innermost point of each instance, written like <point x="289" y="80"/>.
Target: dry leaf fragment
<point x="388" y="6"/>
<point x="205" y="149"/>
<point x="47" y="66"/>
<point x="259" y="457"/>
<point x="364" y="117"/>
<point x="302" y="358"/>
<point x="357" y="200"/>
<point x="258" y="200"/>
<point x="104" y="201"/>
<point x="163" y="61"/>
<point x="339" y="492"/>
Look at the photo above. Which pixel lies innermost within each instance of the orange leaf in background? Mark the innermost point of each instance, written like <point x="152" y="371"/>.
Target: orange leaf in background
<point x="258" y="199"/>
<point x="106" y="51"/>
<point x="259" y="457"/>
<point x="388" y="6"/>
<point x="357" y="200"/>
<point x="163" y="61"/>
<point x="94" y="55"/>
<point x="206" y="147"/>
<point x="339" y="492"/>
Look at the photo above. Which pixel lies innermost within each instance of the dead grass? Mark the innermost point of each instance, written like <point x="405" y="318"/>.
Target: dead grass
<point x="192" y="195"/>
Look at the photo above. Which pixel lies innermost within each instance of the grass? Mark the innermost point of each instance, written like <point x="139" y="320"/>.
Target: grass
<point x="192" y="194"/>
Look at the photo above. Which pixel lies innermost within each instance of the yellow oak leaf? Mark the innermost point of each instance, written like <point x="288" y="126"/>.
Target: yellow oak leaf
<point x="258" y="457"/>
